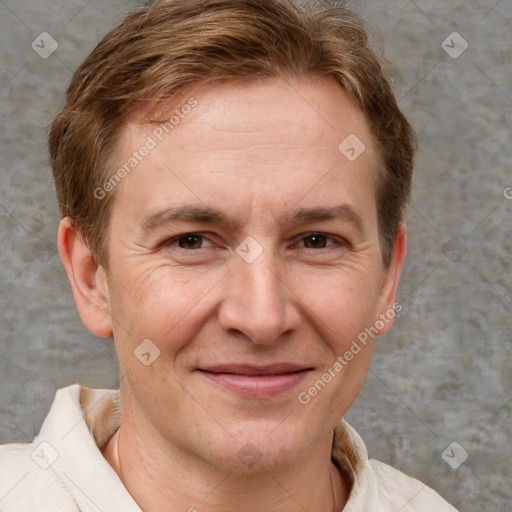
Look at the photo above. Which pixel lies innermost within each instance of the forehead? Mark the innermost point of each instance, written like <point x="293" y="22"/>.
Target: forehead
<point x="282" y="135"/>
<point x="315" y="112"/>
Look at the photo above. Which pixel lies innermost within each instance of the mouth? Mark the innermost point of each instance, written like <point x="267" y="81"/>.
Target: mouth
<point x="256" y="381"/>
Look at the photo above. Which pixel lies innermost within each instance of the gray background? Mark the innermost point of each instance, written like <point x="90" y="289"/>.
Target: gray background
<point x="443" y="374"/>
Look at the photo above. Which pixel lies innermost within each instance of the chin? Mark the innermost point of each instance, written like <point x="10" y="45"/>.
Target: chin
<point x="251" y="461"/>
<point x="257" y="450"/>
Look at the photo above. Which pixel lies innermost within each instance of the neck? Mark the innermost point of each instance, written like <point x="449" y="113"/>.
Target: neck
<point x="184" y="484"/>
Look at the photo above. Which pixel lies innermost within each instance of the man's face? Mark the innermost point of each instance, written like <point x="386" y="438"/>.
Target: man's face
<point x="250" y="306"/>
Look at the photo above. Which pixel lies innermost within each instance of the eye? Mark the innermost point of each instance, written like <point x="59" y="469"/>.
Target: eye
<point x="322" y="241"/>
<point x="316" y="241"/>
<point x="188" y="241"/>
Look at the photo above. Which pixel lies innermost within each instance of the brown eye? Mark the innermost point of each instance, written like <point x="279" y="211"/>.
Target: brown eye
<point x="190" y="241"/>
<point x="315" y="241"/>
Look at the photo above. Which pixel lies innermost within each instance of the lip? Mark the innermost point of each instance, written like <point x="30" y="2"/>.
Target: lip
<point x="256" y="381"/>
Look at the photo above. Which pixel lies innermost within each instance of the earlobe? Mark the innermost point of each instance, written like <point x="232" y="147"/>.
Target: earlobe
<point x="87" y="278"/>
<point x="387" y="299"/>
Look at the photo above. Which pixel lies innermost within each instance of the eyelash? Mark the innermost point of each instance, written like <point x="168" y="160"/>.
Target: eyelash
<point x="335" y="240"/>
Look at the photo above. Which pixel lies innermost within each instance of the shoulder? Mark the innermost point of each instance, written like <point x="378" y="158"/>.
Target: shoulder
<point x="377" y="486"/>
<point x="27" y="483"/>
<point x="410" y="495"/>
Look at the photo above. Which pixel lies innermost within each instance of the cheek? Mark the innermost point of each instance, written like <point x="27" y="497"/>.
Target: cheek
<point x="341" y="312"/>
<point x="341" y="304"/>
<point x="158" y="302"/>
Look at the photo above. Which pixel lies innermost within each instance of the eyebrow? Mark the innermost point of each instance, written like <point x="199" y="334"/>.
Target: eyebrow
<point x="188" y="213"/>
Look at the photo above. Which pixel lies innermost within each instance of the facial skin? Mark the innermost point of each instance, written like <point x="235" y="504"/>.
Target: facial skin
<point x="257" y="153"/>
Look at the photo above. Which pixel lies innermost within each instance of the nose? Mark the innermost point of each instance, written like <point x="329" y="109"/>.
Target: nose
<point x="257" y="301"/>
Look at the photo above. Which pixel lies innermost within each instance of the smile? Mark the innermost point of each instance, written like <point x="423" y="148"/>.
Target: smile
<point x="256" y="381"/>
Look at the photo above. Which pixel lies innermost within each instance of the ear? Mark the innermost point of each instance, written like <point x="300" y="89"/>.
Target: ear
<point x="87" y="278"/>
<point x="389" y="287"/>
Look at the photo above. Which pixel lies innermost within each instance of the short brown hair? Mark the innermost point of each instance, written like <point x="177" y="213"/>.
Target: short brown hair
<point x="164" y="48"/>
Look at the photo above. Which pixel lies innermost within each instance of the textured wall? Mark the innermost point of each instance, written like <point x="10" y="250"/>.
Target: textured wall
<point x="443" y="374"/>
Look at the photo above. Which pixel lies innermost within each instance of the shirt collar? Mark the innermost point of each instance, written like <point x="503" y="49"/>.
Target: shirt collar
<point x="82" y="420"/>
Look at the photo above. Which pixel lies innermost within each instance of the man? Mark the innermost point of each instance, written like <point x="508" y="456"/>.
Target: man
<point x="232" y="176"/>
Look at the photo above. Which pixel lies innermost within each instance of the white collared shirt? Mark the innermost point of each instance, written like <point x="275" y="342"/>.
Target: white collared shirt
<point x="63" y="469"/>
